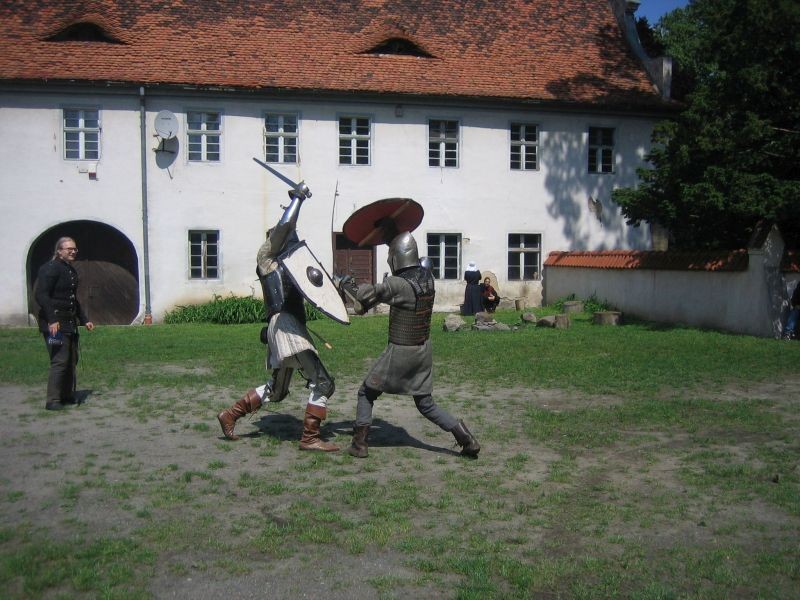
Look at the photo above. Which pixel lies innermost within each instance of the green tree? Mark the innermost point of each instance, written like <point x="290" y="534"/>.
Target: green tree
<point x="730" y="157"/>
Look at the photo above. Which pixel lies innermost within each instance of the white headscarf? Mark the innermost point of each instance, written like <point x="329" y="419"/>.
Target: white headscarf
<point x="472" y="266"/>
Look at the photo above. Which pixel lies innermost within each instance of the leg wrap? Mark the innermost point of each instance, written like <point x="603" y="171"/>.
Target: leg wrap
<point x="435" y="414"/>
<point x="366" y="400"/>
<point x="277" y="387"/>
<point x="320" y="383"/>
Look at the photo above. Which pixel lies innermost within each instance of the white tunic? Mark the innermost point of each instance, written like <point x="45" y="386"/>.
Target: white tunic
<point x="287" y="337"/>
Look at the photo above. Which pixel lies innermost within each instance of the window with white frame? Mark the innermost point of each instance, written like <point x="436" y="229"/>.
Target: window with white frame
<point x="442" y="143"/>
<point x="354" y="140"/>
<point x="524" y="147"/>
<point x="444" y="251"/>
<point x="204" y="254"/>
<point x="524" y="256"/>
<point x="81" y="134"/>
<point x="280" y="138"/>
<point x="601" y="150"/>
<point x="204" y="130"/>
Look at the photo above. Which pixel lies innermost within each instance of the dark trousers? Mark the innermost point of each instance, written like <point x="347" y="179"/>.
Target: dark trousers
<point x="425" y="405"/>
<point x="61" y="378"/>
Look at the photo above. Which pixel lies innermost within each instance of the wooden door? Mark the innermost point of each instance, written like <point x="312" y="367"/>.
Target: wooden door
<point x="108" y="293"/>
<point x="349" y="259"/>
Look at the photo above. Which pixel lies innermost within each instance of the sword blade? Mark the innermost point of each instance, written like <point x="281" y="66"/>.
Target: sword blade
<point x="279" y="175"/>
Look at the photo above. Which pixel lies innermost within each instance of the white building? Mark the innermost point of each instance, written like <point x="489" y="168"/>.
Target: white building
<point x="510" y="125"/>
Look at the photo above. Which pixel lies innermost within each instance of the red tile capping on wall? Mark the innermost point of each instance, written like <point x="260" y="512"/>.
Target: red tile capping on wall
<point x="735" y="260"/>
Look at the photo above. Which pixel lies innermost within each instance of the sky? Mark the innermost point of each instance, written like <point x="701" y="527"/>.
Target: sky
<point x="653" y="9"/>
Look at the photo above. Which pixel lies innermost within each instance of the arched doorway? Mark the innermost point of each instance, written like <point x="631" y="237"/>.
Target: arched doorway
<point x="107" y="266"/>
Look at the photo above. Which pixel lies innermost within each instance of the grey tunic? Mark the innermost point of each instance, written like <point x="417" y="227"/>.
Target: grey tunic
<point x="399" y="369"/>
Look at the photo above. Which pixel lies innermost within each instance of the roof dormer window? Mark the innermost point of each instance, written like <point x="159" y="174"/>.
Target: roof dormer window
<point x="399" y="46"/>
<point x="83" y="31"/>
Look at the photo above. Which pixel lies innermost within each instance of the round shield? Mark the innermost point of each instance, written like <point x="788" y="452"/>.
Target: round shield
<point x="379" y="222"/>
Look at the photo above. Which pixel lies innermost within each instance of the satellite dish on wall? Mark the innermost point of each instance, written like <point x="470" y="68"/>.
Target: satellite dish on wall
<point x="166" y="124"/>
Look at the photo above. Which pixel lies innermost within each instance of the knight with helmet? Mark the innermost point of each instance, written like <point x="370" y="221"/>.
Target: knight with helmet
<point x="290" y="275"/>
<point x="405" y="366"/>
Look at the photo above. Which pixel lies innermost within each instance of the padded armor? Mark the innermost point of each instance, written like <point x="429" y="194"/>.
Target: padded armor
<point x="413" y="327"/>
<point x="316" y="374"/>
<point x="280" y="294"/>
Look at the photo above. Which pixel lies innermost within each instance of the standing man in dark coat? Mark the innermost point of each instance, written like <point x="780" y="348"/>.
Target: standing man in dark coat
<point x="406" y="364"/>
<point x="60" y="314"/>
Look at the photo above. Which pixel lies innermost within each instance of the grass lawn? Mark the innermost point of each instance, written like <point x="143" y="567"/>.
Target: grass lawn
<point x="638" y="461"/>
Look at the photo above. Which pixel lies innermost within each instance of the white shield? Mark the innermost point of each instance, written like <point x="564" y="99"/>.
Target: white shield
<point x="313" y="281"/>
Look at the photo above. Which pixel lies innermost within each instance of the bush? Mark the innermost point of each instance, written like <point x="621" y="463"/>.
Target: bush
<point x="591" y="305"/>
<point x="228" y="311"/>
<point x="224" y="311"/>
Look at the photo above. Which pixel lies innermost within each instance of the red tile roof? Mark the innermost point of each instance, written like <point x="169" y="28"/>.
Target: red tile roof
<point x="540" y="51"/>
<point x="735" y="260"/>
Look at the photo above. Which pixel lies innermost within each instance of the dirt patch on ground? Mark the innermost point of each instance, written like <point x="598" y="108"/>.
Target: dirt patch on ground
<point x="105" y="467"/>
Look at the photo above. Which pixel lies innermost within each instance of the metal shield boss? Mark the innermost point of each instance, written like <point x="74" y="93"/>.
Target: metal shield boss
<point x="310" y="277"/>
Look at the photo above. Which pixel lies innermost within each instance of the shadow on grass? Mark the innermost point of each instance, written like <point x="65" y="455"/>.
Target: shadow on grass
<point x="384" y="434"/>
<point x="288" y="428"/>
<point x="82" y="395"/>
<point x="664" y="327"/>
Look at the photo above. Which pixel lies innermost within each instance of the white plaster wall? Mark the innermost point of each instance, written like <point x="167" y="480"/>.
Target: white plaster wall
<point x="38" y="189"/>
<point x="750" y="302"/>
<point x="482" y="199"/>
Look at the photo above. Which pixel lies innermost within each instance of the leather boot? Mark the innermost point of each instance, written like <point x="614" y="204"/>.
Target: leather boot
<point x="358" y="447"/>
<point x="311" y="424"/>
<point x="469" y="445"/>
<point x="250" y="402"/>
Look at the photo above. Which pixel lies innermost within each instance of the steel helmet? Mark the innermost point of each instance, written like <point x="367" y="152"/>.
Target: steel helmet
<point x="403" y="252"/>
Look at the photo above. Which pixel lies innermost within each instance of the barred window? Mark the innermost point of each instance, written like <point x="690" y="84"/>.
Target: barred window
<point x="81" y="134"/>
<point x="204" y="254"/>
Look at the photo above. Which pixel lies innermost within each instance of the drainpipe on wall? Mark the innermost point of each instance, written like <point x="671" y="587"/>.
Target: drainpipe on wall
<point x="148" y="316"/>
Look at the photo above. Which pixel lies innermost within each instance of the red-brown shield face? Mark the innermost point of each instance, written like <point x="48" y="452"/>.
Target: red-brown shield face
<point x="379" y="222"/>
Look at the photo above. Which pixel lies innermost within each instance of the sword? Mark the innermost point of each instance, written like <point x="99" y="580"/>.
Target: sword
<point x="300" y="189"/>
<point x="320" y="338"/>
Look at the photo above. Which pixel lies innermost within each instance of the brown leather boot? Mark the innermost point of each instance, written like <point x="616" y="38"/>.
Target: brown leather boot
<point x="358" y="447"/>
<point x="311" y="424"/>
<point x="250" y="402"/>
<point x="469" y="445"/>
